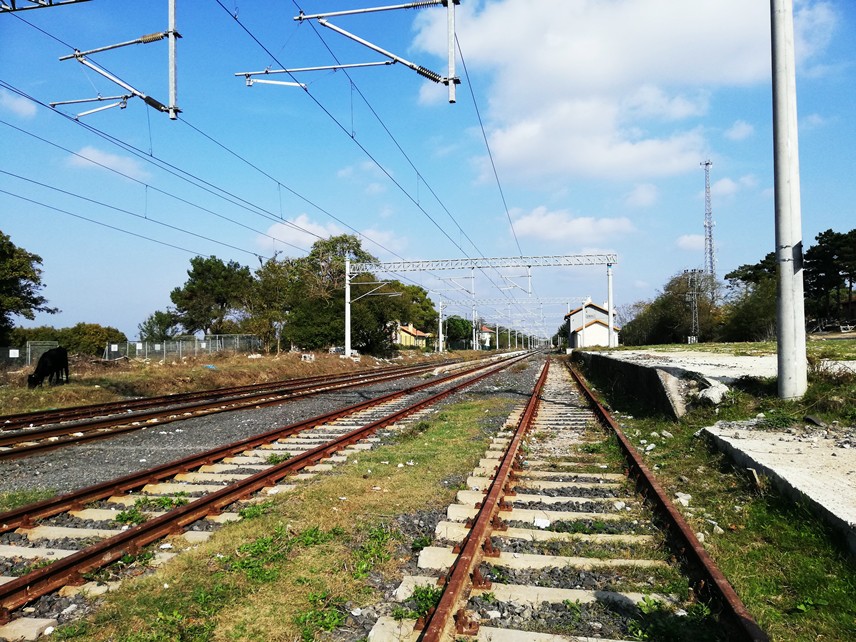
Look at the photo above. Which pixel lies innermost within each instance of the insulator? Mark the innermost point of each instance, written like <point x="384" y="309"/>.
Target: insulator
<point x="430" y="75"/>
<point x="422" y="5"/>
<point x="152" y="37"/>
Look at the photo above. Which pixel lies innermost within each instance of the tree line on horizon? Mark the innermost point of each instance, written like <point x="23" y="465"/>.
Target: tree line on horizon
<point x="744" y="307"/>
<point x="286" y="302"/>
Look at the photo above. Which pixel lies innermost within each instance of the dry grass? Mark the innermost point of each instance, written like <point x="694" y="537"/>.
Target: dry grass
<point x="96" y="381"/>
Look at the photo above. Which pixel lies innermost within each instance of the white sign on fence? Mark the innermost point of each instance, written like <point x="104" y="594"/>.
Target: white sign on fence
<point x="13" y="353"/>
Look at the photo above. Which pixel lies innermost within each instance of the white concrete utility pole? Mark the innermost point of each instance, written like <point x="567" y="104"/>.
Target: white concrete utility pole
<point x="790" y="310"/>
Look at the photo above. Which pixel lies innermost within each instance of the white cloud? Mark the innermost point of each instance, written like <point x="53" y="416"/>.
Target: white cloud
<point x="90" y="157"/>
<point x="373" y="189"/>
<point x="300" y="231"/>
<point x="812" y="121"/>
<point x="652" y="102"/>
<point x="393" y="244"/>
<point x="692" y="242"/>
<point x="724" y="188"/>
<point x="740" y="130"/>
<point x="17" y="105"/>
<point x="587" y="88"/>
<point x="561" y="225"/>
<point x="643" y="195"/>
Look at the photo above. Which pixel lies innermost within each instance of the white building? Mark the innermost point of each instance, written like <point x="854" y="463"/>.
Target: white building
<point x="589" y="326"/>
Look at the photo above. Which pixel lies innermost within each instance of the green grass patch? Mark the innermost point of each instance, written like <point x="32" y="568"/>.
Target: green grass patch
<point x="301" y="565"/>
<point x="793" y="574"/>
<point x="14" y="499"/>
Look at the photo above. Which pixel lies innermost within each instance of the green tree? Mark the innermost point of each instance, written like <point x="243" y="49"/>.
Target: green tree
<point x="459" y="331"/>
<point x="20" y="284"/>
<point x="668" y="318"/>
<point x="823" y="274"/>
<point x="271" y="300"/>
<point x="89" y="338"/>
<point x="213" y="291"/>
<point x="159" y="326"/>
<point x="749" y="311"/>
<point x="419" y="308"/>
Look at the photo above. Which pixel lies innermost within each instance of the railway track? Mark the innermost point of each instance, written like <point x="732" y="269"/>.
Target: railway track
<point x="59" y="428"/>
<point x="21" y="421"/>
<point x="551" y="541"/>
<point x="187" y="493"/>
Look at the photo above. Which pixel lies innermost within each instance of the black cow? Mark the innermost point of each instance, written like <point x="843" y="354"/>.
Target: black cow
<point x="52" y="364"/>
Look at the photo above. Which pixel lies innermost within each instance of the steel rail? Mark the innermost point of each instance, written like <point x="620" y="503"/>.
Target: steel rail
<point x="29" y="419"/>
<point x="714" y="582"/>
<point x="462" y="573"/>
<point x="70" y="569"/>
<point x="25" y="515"/>
<point x="70" y="434"/>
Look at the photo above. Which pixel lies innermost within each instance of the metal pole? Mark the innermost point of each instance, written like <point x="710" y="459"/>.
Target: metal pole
<point x="583" y="330"/>
<point x="450" y="21"/>
<point x="440" y="324"/>
<point x="790" y="310"/>
<point x="475" y="332"/>
<point x="611" y="340"/>
<point x="347" y="307"/>
<point x="173" y="72"/>
<point x="570" y="347"/>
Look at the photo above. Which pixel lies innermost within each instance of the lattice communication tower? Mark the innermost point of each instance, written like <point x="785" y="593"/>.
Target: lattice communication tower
<point x="709" y="252"/>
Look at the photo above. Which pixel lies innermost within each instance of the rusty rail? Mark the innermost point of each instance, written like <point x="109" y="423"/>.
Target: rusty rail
<point x="713" y="580"/>
<point x="95" y="429"/>
<point x="44" y="580"/>
<point x="463" y="572"/>
<point x="25" y="420"/>
<point x="24" y="515"/>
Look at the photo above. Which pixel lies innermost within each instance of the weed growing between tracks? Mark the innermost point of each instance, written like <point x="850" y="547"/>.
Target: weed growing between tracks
<point x="791" y="572"/>
<point x="13" y="499"/>
<point x="301" y="565"/>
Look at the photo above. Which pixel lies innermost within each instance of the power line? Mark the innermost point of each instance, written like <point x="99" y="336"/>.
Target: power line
<point x="487" y="146"/>
<point x="128" y="212"/>
<point x="112" y="227"/>
<point x="148" y="186"/>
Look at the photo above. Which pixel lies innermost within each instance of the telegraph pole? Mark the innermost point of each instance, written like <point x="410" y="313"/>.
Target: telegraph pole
<point x="790" y="308"/>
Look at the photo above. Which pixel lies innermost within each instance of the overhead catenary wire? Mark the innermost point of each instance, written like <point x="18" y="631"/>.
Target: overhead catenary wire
<point x="148" y="186"/>
<point x="404" y="154"/>
<point x="234" y="199"/>
<point x="130" y="213"/>
<point x="112" y="227"/>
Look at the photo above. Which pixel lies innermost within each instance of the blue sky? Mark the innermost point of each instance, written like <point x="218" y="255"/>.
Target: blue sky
<point x="598" y="115"/>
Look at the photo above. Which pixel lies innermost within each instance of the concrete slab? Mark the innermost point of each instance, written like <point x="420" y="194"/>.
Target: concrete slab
<point x="479" y="482"/>
<point x="440" y="558"/>
<point x="58" y="532"/>
<point x="470" y="497"/>
<point x="211" y="478"/>
<point x="168" y="488"/>
<point x="220" y="468"/>
<point x="6" y="578"/>
<point x="387" y="629"/>
<point x="461" y="513"/>
<point x="490" y="634"/>
<point x="196" y="537"/>
<point x="455" y="532"/>
<point x="810" y="469"/>
<point x="91" y="589"/>
<point x="26" y="628"/>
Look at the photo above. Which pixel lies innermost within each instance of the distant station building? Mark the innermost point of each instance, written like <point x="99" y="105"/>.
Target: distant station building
<point x="589" y="326"/>
<point x="486" y="336"/>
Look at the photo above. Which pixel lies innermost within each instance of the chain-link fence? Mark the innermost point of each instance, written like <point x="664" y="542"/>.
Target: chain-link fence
<point x="26" y="356"/>
<point x="176" y="349"/>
